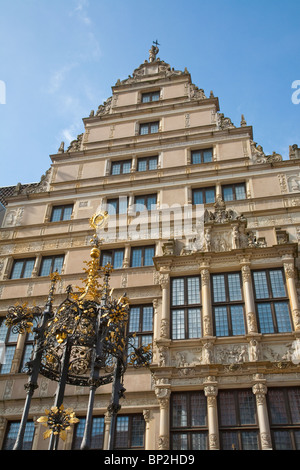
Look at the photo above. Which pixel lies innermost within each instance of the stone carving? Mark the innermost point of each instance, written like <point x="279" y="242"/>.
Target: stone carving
<point x="75" y="145"/>
<point x="233" y="354"/>
<point x="221" y="215"/>
<point x="253" y="350"/>
<point x="168" y="248"/>
<point x="224" y="122"/>
<point x="282" y="236"/>
<point x="195" y="93"/>
<point x="259" y="155"/>
<point x="294" y="152"/>
<point x="207" y="353"/>
<point x="105" y="107"/>
<point x="153" y="53"/>
<point x="293" y="183"/>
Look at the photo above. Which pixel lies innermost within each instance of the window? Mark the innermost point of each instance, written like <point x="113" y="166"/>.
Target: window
<point x="201" y="156"/>
<point x="117" y="206"/>
<point x="234" y="192"/>
<point x="130" y="431"/>
<point x="142" y="256"/>
<point x="141" y="323"/>
<point x="97" y="435"/>
<point x="60" y="213"/>
<point x="147" y="202"/>
<point x="204" y="195"/>
<point x="50" y="264"/>
<point x="22" y="268"/>
<point x="12" y="433"/>
<point x="147" y="163"/>
<point x="186" y="307"/>
<point x="152" y="96"/>
<point x="9" y="340"/>
<point x="189" y="421"/>
<point x="119" y="168"/>
<point x="228" y="304"/>
<point x="113" y="257"/>
<point x="284" y="415"/>
<point x="237" y="420"/>
<point x="271" y="301"/>
<point x="149" y="128"/>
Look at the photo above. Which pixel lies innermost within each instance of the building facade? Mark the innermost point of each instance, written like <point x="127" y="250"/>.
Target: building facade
<point x="203" y="236"/>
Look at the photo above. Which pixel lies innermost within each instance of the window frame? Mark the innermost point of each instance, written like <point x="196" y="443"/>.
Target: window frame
<point x="10" y="341"/>
<point x="76" y="446"/>
<point x="113" y="252"/>
<point x="234" y="186"/>
<point x="188" y="429"/>
<point x="146" y="197"/>
<point x="143" y="248"/>
<point x="24" y="261"/>
<point x="203" y="191"/>
<point x="130" y="429"/>
<point x="201" y="151"/>
<point x="227" y="304"/>
<point x="117" y="200"/>
<point x="238" y="428"/>
<point x="26" y="443"/>
<point x="63" y="207"/>
<point x="53" y="258"/>
<point x="147" y="159"/>
<point x="148" y="126"/>
<point x="140" y="332"/>
<point x="271" y="300"/>
<point x="121" y="163"/>
<point x="150" y="94"/>
<point x="186" y="306"/>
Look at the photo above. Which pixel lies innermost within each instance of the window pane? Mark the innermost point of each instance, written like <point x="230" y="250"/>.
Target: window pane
<point x="122" y="205"/>
<point x="118" y="259"/>
<point x="126" y="167"/>
<point x="221" y="321"/>
<point x="106" y="258"/>
<point x="148" y="257"/>
<point x="151" y="203"/>
<point x="240" y="192"/>
<point x="155" y="96"/>
<point x="179" y="410"/>
<point x="140" y="203"/>
<point x="112" y="206"/>
<point x="261" y="285"/>
<point x="3" y="331"/>
<point x="97" y="433"/>
<point x="207" y="155"/>
<point x="56" y="214"/>
<point x="237" y="320"/>
<point x="180" y="442"/>
<point x="277" y="406"/>
<point x="282" y="440"/>
<point x="26" y="356"/>
<point x="198" y="409"/>
<point x="146" y="98"/>
<point x="209" y="196"/>
<point x="154" y="127"/>
<point x="17" y="270"/>
<point x="196" y="157"/>
<point x="46" y="266"/>
<point x="29" y="265"/>
<point x="144" y="129"/>
<point x="178" y="330"/>
<point x="227" y="408"/>
<point x="146" y="340"/>
<point x="277" y="284"/>
<point x="219" y="288"/>
<point x="147" y="319"/>
<point x="122" y="429"/>
<point x="199" y="441"/>
<point x="11" y="436"/>
<point x="134" y="319"/>
<point x="116" y="169"/>
<point x="193" y="290"/>
<point x="8" y="358"/>
<point x="294" y="400"/>
<point x="228" y="193"/>
<point x="247" y="407"/>
<point x="229" y="441"/>
<point x="249" y="440"/>
<point x="198" y="197"/>
<point x="142" y="165"/>
<point x="265" y="318"/>
<point x="137" y="431"/>
<point x="234" y="286"/>
<point x="282" y="317"/>
<point x="58" y="263"/>
<point x="67" y="212"/>
<point x="178" y="291"/>
<point x="153" y="163"/>
<point x="136" y="260"/>
<point x="194" y="323"/>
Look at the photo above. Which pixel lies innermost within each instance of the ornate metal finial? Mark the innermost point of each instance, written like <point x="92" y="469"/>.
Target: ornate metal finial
<point x="153" y="51"/>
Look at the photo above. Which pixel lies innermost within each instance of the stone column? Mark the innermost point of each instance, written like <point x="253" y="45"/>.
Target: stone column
<point x="107" y="420"/>
<point x="249" y="298"/>
<point x="163" y="396"/>
<point x="206" y="303"/>
<point x="290" y="275"/>
<point x="16" y="362"/>
<point x="211" y="393"/>
<point x="164" y="280"/>
<point x="260" y="390"/>
<point x="146" y="414"/>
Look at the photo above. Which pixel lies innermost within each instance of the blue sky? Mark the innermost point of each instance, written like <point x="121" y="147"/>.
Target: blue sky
<point x="59" y="59"/>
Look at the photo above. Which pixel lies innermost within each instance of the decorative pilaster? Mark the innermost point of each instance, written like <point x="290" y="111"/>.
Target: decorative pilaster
<point x="260" y="390"/>
<point x="107" y="420"/>
<point x="206" y="303"/>
<point x="249" y="298"/>
<point x="16" y="362"/>
<point x="146" y="414"/>
<point x="163" y="396"/>
<point x="211" y="392"/>
<point x="290" y="275"/>
<point x="164" y="281"/>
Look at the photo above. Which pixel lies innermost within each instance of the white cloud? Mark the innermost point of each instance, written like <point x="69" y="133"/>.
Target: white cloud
<point x="58" y="77"/>
<point x="81" y="11"/>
